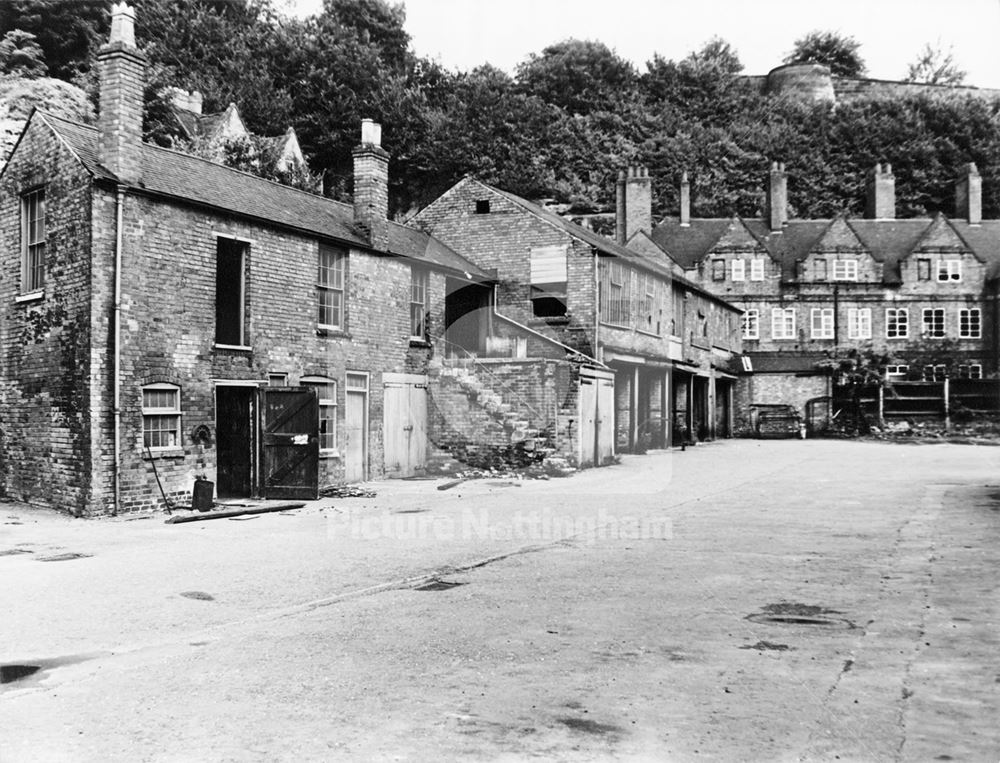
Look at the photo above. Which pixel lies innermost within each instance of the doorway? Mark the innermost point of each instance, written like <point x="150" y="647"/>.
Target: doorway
<point x="356" y="428"/>
<point x="234" y="427"/>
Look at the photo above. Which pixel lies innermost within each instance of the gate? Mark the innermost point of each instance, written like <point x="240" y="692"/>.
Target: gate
<point x="290" y="442"/>
<point x="404" y="423"/>
<point x="597" y="411"/>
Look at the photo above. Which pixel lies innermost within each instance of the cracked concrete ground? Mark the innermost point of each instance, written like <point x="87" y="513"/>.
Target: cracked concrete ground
<point x="600" y="617"/>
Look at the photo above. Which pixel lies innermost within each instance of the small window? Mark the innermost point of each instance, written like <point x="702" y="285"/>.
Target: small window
<point x="33" y="241"/>
<point x="949" y="270"/>
<point x="933" y="323"/>
<point x="757" y="269"/>
<point x="330" y="287"/>
<point x="937" y="372"/>
<point x="418" y="303"/>
<point x="230" y="267"/>
<point x="326" y="391"/>
<point x="819" y="270"/>
<point x="896" y="372"/>
<point x="277" y="380"/>
<point x="859" y="323"/>
<point x="970" y="323"/>
<point x="970" y="371"/>
<point x="482" y="206"/>
<point x="739" y="270"/>
<point x="783" y="323"/>
<point x="845" y="270"/>
<point x="161" y="416"/>
<point x="923" y="269"/>
<point x="821" y="323"/>
<point x="751" y="324"/>
<point x="718" y="270"/>
<point x="897" y="323"/>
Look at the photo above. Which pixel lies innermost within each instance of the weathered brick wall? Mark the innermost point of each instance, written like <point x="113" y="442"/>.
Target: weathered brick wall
<point x="503" y="239"/>
<point x="45" y="456"/>
<point x="168" y="328"/>
<point x="769" y="389"/>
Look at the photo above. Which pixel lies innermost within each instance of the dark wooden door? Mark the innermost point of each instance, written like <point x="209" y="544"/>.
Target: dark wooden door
<point x="234" y="435"/>
<point x="290" y="434"/>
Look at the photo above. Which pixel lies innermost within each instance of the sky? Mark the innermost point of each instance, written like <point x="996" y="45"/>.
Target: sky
<point x="462" y="34"/>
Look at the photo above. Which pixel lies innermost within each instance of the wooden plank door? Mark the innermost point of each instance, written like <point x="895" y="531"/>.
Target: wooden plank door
<point x="588" y="421"/>
<point x="605" y="420"/>
<point x="404" y="423"/>
<point x="290" y="426"/>
<point x="356" y="428"/>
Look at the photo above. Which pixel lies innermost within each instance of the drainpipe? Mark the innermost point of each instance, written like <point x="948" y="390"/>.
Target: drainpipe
<point x="597" y="306"/>
<point x="116" y="321"/>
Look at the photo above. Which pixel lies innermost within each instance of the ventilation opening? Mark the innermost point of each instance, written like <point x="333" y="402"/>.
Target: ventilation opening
<point x="483" y="207"/>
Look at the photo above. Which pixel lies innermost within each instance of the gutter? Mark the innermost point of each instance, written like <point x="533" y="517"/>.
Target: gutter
<point x="116" y="321"/>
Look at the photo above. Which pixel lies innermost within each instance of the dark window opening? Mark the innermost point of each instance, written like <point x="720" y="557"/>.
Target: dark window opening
<point x="548" y="300"/>
<point x="482" y="206"/>
<point x="229" y="285"/>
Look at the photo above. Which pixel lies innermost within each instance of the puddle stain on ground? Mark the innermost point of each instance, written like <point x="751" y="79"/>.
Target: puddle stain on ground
<point x="438" y="585"/>
<point x="31" y="671"/>
<point x="15" y="551"/>
<point x="767" y="646"/>
<point x="198" y="595"/>
<point x="64" y="557"/>
<point x="587" y="726"/>
<point x="792" y="613"/>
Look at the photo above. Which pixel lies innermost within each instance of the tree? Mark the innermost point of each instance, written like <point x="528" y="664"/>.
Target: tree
<point x="68" y="31"/>
<point x="21" y="56"/>
<point x="837" y="51"/>
<point x="579" y="76"/>
<point x="935" y="67"/>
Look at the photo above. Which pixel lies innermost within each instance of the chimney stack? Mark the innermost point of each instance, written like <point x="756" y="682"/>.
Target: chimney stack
<point x="969" y="196"/>
<point x="371" y="186"/>
<point x="685" y="201"/>
<point x="121" y="75"/>
<point x="634" y="208"/>
<point x="880" y="193"/>
<point x="777" y="197"/>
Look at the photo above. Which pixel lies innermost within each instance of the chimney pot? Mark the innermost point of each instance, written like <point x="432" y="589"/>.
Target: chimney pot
<point x="122" y="25"/>
<point x="371" y="132"/>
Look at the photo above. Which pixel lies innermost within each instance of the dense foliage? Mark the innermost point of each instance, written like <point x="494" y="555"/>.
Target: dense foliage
<point x="561" y="127"/>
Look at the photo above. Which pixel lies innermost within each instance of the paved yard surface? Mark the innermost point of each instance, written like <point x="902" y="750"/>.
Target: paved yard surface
<point x="742" y="600"/>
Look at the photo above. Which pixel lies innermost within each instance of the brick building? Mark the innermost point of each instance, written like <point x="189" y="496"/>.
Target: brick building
<point x="161" y="311"/>
<point x="671" y="345"/>
<point x="920" y="291"/>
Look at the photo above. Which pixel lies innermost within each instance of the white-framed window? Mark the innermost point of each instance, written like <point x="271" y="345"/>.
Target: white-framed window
<point x="549" y="271"/>
<point x="896" y="371"/>
<point x="161" y="416"/>
<point x="937" y="372"/>
<point x="970" y="325"/>
<point x="738" y="270"/>
<point x="330" y="282"/>
<point x="783" y="323"/>
<point x="859" y="323"/>
<point x="33" y="241"/>
<point x="949" y="270"/>
<point x="821" y="323"/>
<point x="419" y="279"/>
<point x="750" y="324"/>
<point x="897" y="323"/>
<point x="326" y="391"/>
<point x="757" y="269"/>
<point x="932" y="322"/>
<point x="845" y="270"/>
<point x="970" y="371"/>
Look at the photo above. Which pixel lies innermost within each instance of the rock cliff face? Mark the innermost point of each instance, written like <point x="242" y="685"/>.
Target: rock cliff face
<point x="19" y="95"/>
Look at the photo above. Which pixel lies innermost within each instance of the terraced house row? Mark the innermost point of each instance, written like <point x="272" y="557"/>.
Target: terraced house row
<point x="165" y="319"/>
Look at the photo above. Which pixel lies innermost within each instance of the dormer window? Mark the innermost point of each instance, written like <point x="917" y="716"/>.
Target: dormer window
<point x="482" y="206"/>
<point x="845" y="270"/>
<point x="949" y="270"/>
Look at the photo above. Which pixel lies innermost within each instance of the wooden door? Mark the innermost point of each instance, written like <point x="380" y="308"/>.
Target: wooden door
<point x="290" y="442"/>
<point x="597" y="410"/>
<point x="234" y="427"/>
<point x="605" y="420"/>
<point x="356" y="428"/>
<point x="404" y="423"/>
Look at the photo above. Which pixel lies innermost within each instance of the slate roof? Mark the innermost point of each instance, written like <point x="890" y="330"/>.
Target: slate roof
<point x="195" y="180"/>
<point x="888" y="241"/>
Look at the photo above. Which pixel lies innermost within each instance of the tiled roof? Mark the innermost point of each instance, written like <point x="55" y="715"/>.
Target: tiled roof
<point x="192" y="179"/>
<point x="888" y="241"/>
